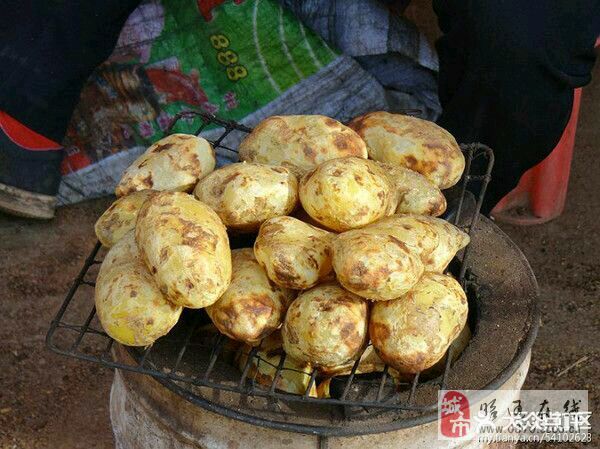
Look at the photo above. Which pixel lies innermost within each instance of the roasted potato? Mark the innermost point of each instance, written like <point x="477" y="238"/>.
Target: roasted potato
<point x="416" y="194"/>
<point x="294" y="254"/>
<point x="244" y="195"/>
<point x="185" y="246"/>
<point x="129" y="304"/>
<point x="370" y="362"/>
<point x="435" y="240"/>
<point x="414" y="143"/>
<point x="120" y="217"/>
<point x="452" y="240"/>
<point x="413" y="332"/>
<point x="295" y="375"/>
<point x="375" y="264"/>
<point x="300" y="142"/>
<point x="347" y="193"/>
<point x="326" y="326"/>
<point x="174" y="163"/>
<point x="252" y="307"/>
<point x="420" y="236"/>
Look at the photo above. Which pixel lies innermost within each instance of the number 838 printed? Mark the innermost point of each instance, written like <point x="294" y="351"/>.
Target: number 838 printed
<point x="228" y="58"/>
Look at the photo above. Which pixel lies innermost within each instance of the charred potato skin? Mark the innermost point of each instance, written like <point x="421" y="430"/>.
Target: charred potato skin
<point x="129" y="304"/>
<point x="326" y="326"/>
<point x="252" y="307"/>
<point x="244" y="195"/>
<point x="347" y="193"/>
<point x="300" y="142"/>
<point x="294" y="254"/>
<point x="413" y="332"/>
<point x="174" y="163"/>
<point x="120" y="217"/>
<point x="414" y="143"/>
<point x="185" y="246"/>
<point x="375" y="265"/>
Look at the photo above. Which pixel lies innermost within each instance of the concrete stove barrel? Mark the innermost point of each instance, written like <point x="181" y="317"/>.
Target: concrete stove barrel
<point x="146" y="415"/>
<point x="158" y="414"/>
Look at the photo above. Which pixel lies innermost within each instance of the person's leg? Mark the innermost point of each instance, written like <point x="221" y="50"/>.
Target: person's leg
<point x="47" y="51"/>
<point x="507" y="73"/>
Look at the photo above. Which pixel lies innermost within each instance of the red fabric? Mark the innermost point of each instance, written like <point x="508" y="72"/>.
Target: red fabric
<point x="543" y="188"/>
<point x="25" y="137"/>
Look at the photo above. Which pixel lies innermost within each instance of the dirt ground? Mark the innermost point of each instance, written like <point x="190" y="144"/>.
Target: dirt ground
<point x="48" y="401"/>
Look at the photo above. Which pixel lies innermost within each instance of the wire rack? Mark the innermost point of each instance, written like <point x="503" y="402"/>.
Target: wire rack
<point x="195" y="355"/>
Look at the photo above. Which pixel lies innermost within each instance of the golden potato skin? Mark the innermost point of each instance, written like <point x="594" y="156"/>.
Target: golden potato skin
<point x="420" y="236"/>
<point x="294" y="254"/>
<point x="244" y="195"/>
<point x="251" y="307"/>
<point x="416" y="194"/>
<point x="174" y="163"/>
<point x="300" y="142"/>
<point x="414" y="143"/>
<point x="375" y="265"/>
<point x="129" y="305"/>
<point x="326" y="326"/>
<point x="413" y="332"/>
<point x="120" y="217"/>
<point x="347" y="193"/>
<point x="452" y="240"/>
<point x="435" y="240"/>
<point x="185" y="246"/>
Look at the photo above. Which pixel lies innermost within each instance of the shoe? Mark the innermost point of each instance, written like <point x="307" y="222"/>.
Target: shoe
<point x="29" y="171"/>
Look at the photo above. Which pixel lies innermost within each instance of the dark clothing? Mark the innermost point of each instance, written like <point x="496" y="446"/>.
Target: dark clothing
<point x="48" y="48"/>
<point x="507" y="73"/>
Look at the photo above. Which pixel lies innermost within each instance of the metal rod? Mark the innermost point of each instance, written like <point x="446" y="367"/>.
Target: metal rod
<point x="463" y="187"/>
<point x="323" y="442"/>
<point x="228" y="129"/>
<point x="145" y="355"/>
<point x="74" y="327"/>
<point x="184" y="344"/>
<point x="214" y="355"/>
<point x="251" y="355"/>
<point x="350" y="379"/>
<point x="475" y="217"/>
<point x="413" y="388"/>
<point x="70" y="295"/>
<point x="311" y="382"/>
<point x="277" y="372"/>
<point x="382" y="383"/>
<point x="84" y="328"/>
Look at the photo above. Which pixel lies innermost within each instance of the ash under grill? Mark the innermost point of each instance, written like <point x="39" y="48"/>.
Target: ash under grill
<point x="199" y="364"/>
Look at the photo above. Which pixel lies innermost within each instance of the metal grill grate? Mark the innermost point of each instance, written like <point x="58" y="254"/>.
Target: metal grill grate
<point x="193" y="355"/>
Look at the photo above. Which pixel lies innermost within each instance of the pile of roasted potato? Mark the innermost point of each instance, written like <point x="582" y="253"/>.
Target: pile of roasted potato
<point x="348" y="260"/>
